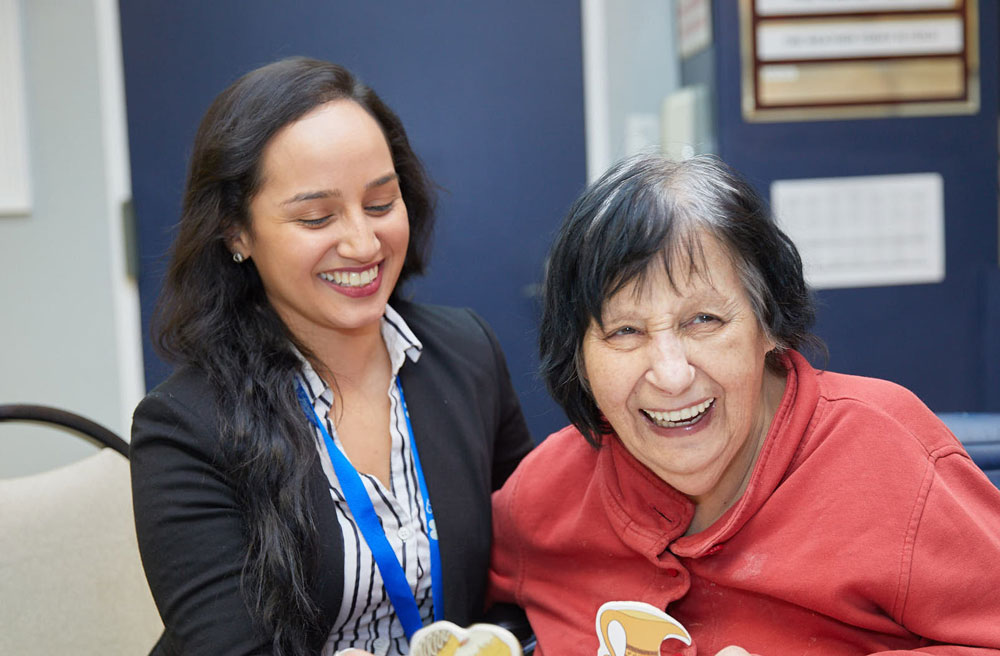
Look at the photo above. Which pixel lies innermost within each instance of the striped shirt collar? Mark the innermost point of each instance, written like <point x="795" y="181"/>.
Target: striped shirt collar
<point x="399" y="340"/>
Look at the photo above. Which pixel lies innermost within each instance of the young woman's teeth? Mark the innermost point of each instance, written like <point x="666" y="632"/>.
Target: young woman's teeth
<point x="352" y="278"/>
<point x="683" y="417"/>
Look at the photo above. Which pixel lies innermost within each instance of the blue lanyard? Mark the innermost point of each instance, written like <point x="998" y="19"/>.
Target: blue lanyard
<point x="393" y="576"/>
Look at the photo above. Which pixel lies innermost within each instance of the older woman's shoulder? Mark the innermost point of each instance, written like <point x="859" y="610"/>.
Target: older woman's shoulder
<point x="563" y="459"/>
<point x="568" y="442"/>
<point x="835" y="386"/>
<point x="881" y="403"/>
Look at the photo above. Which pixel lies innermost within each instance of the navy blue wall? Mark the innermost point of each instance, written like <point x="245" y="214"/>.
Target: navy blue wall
<point x="492" y="97"/>
<point x="942" y="341"/>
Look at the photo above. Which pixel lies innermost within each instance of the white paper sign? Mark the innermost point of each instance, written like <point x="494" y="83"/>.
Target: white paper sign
<point x="833" y="39"/>
<point x="865" y="231"/>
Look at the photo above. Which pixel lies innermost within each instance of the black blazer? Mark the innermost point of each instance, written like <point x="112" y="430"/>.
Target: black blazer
<point x="468" y="428"/>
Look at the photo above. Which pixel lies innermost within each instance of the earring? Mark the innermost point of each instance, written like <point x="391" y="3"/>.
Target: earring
<point x="238" y="257"/>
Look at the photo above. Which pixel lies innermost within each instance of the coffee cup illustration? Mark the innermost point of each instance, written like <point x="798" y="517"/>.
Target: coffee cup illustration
<point x="633" y="628"/>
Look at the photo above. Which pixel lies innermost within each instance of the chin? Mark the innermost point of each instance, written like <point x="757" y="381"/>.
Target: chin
<point x="694" y="481"/>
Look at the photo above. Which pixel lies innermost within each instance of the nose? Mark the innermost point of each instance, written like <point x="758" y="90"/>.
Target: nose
<point x="358" y="241"/>
<point x="669" y="368"/>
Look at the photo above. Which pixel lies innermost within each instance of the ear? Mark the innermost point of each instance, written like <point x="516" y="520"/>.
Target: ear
<point x="773" y="343"/>
<point x="238" y="241"/>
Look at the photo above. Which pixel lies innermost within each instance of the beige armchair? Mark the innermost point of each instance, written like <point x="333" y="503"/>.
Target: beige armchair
<point x="70" y="577"/>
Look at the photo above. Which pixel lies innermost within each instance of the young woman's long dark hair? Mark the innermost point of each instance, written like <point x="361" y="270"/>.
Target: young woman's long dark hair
<point x="213" y="314"/>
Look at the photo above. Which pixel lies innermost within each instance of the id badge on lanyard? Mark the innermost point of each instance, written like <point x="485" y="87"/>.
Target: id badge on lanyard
<point x="393" y="576"/>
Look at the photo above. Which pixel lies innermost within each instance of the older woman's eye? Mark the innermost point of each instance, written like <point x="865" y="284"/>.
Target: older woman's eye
<point x="704" y="318"/>
<point x="625" y="330"/>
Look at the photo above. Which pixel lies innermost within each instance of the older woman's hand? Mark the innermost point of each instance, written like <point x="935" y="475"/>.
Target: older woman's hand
<point x="356" y="652"/>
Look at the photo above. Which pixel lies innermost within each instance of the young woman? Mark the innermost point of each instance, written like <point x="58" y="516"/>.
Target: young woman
<point x="316" y="474"/>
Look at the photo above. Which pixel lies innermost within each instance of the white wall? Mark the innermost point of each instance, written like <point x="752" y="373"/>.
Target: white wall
<point x="630" y="66"/>
<point x="69" y="335"/>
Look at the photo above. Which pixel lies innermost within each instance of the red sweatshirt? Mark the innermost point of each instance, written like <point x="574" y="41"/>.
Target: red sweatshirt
<point x="865" y="528"/>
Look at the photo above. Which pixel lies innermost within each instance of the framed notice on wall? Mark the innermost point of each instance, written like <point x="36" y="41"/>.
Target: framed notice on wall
<point x="833" y="59"/>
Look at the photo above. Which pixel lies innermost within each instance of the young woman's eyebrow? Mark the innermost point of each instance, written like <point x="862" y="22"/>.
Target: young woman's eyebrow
<point x="335" y="193"/>
<point x="311" y="195"/>
<point x="378" y="182"/>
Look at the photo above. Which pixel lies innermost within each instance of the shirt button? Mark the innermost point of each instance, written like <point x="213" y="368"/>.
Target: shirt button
<point x="380" y="645"/>
<point x="405" y="533"/>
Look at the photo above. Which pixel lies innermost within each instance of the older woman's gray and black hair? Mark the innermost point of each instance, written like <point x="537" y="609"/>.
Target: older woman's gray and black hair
<point x="645" y="210"/>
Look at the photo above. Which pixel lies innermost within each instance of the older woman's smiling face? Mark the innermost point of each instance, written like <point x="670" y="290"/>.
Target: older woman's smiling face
<point x="679" y="373"/>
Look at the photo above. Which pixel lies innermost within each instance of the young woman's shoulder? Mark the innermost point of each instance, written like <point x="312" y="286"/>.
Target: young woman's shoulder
<point x="450" y="327"/>
<point x="181" y="409"/>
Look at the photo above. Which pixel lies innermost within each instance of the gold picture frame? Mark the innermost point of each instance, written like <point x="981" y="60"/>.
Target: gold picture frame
<point x="808" y="60"/>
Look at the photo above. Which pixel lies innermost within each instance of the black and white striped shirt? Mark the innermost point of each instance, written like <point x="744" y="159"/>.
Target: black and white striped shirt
<point x="367" y="620"/>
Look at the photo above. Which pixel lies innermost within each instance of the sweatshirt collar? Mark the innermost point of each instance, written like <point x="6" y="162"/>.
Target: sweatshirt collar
<point x="647" y="512"/>
<point x="651" y="516"/>
<point x="780" y="446"/>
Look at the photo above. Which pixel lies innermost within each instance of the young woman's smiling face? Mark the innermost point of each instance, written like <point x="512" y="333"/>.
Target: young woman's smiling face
<point x="680" y="374"/>
<point x="329" y="228"/>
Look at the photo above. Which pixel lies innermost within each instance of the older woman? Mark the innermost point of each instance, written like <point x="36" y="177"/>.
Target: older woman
<point x="710" y="470"/>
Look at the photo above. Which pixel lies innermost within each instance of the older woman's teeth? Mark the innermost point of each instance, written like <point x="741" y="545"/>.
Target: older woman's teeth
<point x="682" y="417"/>
<point x="352" y="278"/>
